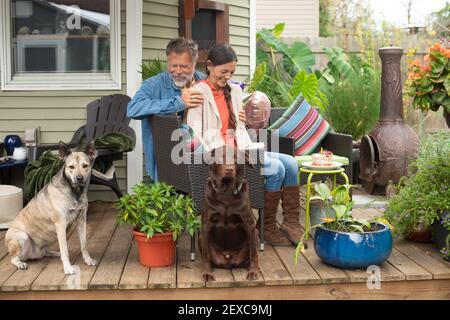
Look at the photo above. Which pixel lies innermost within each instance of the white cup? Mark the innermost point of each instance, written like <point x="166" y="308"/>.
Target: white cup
<point x="20" y="154"/>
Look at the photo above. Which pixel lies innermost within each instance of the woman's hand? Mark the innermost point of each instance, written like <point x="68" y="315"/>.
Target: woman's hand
<point x="242" y="117"/>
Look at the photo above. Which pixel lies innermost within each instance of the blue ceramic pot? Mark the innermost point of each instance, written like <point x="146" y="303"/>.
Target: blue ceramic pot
<point x="11" y="142"/>
<point x="352" y="250"/>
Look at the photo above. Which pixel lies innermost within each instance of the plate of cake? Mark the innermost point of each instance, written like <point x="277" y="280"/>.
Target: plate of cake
<point x="322" y="161"/>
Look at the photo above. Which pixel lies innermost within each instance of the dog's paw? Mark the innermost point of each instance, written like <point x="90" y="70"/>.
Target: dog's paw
<point x="208" y="277"/>
<point x="69" y="270"/>
<point x="21" y="265"/>
<point x="252" y="275"/>
<point x="90" y="262"/>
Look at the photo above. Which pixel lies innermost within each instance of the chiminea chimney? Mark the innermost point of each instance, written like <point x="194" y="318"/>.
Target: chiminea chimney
<point x="391" y="84"/>
<point x="386" y="150"/>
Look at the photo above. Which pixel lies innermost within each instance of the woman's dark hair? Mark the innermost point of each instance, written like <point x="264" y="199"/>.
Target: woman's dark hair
<point x="223" y="53"/>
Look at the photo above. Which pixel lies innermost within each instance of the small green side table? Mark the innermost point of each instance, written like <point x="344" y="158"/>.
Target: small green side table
<point x="311" y="173"/>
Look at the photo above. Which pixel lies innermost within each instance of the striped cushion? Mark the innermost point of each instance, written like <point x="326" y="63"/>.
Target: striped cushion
<point x="304" y="124"/>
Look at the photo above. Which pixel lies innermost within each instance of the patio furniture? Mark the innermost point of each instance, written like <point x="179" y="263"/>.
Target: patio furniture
<point x="6" y="165"/>
<point x="105" y="115"/>
<point x="191" y="178"/>
<point x="11" y="203"/>
<point x="339" y="144"/>
<point x="310" y="174"/>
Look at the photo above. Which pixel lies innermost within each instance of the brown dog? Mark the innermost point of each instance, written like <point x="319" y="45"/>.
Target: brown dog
<point x="228" y="236"/>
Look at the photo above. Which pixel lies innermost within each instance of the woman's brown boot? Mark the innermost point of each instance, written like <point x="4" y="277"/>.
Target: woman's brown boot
<point x="290" y="202"/>
<point x="272" y="234"/>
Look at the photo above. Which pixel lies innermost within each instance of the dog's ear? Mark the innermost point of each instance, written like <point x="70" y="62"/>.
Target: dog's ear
<point x="64" y="150"/>
<point x="91" y="151"/>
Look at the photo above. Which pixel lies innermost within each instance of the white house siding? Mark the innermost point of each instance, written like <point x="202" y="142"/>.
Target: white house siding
<point x="59" y="114"/>
<point x="301" y="17"/>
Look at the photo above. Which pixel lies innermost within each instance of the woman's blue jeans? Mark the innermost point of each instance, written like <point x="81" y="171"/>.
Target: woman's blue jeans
<point x="280" y="170"/>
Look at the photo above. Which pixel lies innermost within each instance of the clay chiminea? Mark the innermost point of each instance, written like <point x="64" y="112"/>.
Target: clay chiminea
<point x="386" y="150"/>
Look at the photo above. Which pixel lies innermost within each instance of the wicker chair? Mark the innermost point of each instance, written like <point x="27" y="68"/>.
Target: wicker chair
<point x="191" y="178"/>
<point x="105" y="115"/>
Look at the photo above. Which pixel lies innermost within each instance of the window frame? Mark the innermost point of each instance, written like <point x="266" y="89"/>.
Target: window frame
<point x="54" y="81"/>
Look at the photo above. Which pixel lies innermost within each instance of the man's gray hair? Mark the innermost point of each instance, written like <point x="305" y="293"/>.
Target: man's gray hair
<point x="181" y="45"/>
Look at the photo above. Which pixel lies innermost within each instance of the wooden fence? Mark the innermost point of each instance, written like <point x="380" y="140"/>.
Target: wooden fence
<point x="415" y="47"/>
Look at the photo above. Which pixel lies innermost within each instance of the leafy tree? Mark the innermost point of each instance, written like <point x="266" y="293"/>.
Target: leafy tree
<point x="442" y="21"/>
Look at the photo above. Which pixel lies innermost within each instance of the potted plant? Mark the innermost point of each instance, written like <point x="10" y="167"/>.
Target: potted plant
<point x="424" y="196"/>
<point x="344" y="241"/>
<point x="320" y="205"/>
<point x="441" y="230"/>
<point x="159" y="216"/>
<point x="429" y="83"/>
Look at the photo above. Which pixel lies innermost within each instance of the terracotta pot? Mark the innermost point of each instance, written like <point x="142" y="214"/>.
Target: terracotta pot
<point x="423" y="236"/>
<point x="447" y="118"/>
<point x="158" y="251"/>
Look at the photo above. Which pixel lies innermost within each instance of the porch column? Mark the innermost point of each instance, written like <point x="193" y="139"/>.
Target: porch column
<point x="134" y="11"/>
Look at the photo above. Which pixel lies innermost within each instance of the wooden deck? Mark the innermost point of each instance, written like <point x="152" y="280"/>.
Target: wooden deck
<point x="413" y="271"/>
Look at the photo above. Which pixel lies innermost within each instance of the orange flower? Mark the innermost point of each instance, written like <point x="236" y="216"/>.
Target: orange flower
<point x="436" y="47"/>
<point x="426" y="68"/>
<point x="427" y="58"/>
<point x="411" y="76"/>
<point x="327" y="220"/>
<point x="416" y="63"/>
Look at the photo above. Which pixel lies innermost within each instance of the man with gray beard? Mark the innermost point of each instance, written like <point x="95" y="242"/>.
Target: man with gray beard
<point x="166" y="93"/>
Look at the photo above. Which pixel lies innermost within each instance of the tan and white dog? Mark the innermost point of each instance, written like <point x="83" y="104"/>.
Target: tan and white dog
<point x="60" y="205"/>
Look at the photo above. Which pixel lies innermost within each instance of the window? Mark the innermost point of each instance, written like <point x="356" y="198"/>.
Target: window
<point x="60" y="45"/>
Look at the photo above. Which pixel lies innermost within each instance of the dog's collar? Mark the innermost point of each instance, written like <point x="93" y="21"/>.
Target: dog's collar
<point x="234" y="192"/>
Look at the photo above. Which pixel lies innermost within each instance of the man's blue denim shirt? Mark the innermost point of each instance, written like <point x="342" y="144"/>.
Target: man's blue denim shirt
<point x="157" y="95"/>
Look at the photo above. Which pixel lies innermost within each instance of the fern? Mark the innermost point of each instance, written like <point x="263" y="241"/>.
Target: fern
<point x="153" y="67"/>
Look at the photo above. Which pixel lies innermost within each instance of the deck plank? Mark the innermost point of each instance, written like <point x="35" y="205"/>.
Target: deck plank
<point x="303" y="273"/>
<point x="272" y="268"/>
<point x="240" y="278"/>
<point x="163" y="277"/>
<point x="6" y="269"/>
<point x="387" y="273"/>
<point x="409" y="268"/>
<point x="50" y="278"/>
<point x="189" y="273"/>
<point x="21" y="280"/>
<point x="439" y="269"/>
<point x="135" y="275"/>
<point x="3" y="249"/>
<point x="109" y="270"/>
<point x="223" y="279"/>
<point x="96" y="247"/>
<point x="327" y="273"/>
<point x="432" y="250"/>
<point x="2" y="234"/>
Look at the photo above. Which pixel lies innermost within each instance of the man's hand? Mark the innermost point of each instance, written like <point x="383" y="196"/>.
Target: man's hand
<point x="242" y="116"/>
<point x="192" y="98"/>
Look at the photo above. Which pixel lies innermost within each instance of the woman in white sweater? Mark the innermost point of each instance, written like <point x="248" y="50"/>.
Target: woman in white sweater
<point x="217" y="123"/>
